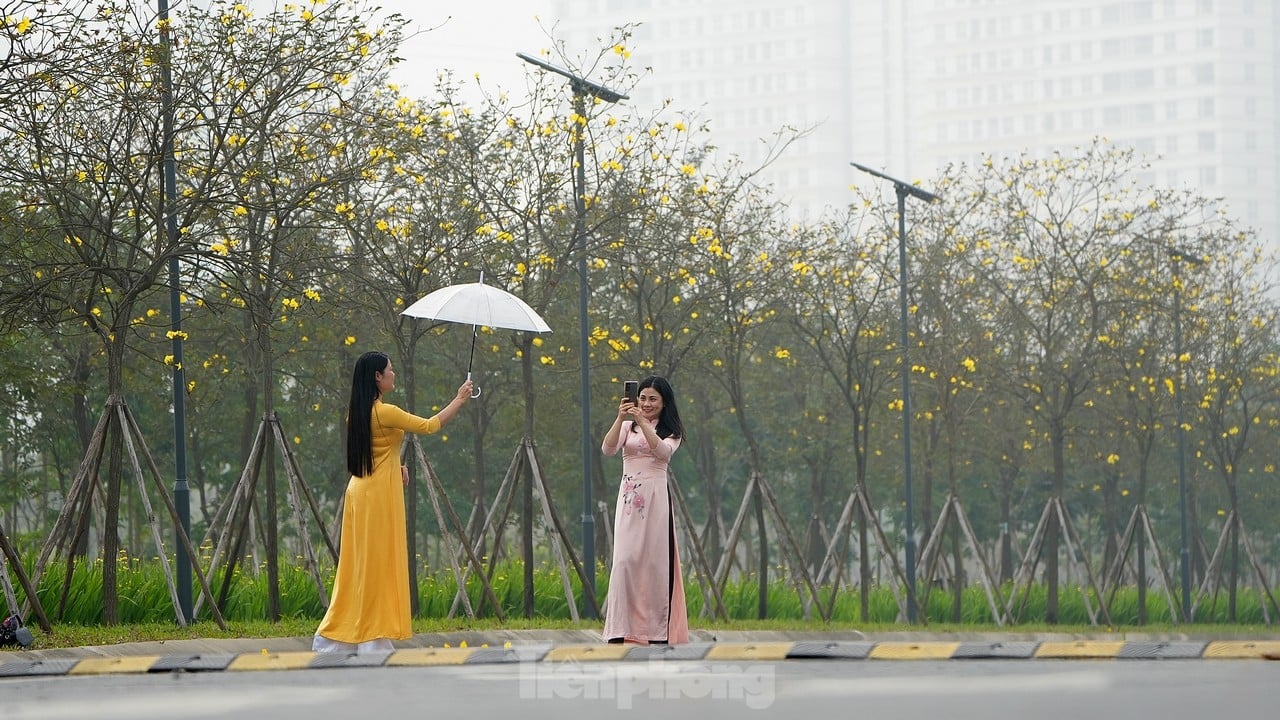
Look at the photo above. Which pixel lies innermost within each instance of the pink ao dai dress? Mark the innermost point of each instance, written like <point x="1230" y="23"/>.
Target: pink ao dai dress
<point x="646" y="600"/>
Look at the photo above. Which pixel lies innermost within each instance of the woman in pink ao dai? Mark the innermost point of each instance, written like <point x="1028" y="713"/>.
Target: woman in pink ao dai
<point x="646" y="602"/>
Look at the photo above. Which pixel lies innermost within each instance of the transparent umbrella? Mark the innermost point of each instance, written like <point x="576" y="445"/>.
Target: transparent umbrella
<point x="478" y="304"/>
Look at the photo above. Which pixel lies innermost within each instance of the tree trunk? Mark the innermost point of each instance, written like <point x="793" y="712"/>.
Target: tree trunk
<point x="957" y="556"/>
<point x="928" y="471"/>
<point x="864" y="567"/>
<point x="526" y="493"/>
<point x="1006" y="524"/>
<point x="81" y="373"/>
<point x="1058" y="441"/>
<point x="1234" y="529"/>
<point x="115" y="464"/>
<point x="762" y="605"/>
<point x="271" y="521"/>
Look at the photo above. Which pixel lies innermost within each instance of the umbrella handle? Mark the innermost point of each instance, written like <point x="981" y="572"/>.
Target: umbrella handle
<point x="475" y="389"/>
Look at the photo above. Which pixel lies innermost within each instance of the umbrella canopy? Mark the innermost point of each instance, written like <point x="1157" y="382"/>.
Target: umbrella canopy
<point x="478" y="304"/>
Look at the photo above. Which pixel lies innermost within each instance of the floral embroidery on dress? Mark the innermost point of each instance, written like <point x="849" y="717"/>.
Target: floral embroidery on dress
<point x="631" y="497"/>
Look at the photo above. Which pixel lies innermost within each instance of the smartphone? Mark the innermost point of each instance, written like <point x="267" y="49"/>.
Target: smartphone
<point x="631" y="390"/>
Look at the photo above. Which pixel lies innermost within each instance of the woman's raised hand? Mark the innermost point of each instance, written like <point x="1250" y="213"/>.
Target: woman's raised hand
<point x="627" y="410"/>
<point x="464" y="391"/>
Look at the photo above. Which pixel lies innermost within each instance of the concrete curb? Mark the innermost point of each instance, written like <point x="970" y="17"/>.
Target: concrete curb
<point x="211" y="656"/>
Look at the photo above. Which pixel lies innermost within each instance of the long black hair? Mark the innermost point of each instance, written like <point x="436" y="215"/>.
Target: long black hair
<point x="364" y="391"/>
<point x="669" y="424"/>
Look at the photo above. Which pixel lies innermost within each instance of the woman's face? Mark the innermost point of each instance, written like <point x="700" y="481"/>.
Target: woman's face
<point x="650" y="402"/>
<point x="386" y="379"/>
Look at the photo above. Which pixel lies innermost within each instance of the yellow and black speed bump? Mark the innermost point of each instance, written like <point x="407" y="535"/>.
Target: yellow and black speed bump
<point x="749" y="651"/>
<point x="192" y="663"/>
<point x="17" y="665"/>
<point x="1162" y="650"/>
<point x="293" y="660"/>
<point x="349" y="660"/>
<point x="914" y="650"/>
<point x="996" y="650"/>
<point x="1080" y="649"/>
<point x="691" y="651"/>
<point x="124" y="665"/>
<point x="858" y="650"/>
<point x="513" y="654"/>
<point x="421" y="657"/>
<point x="1243" y="649"/>
<point x="587" y="653"/>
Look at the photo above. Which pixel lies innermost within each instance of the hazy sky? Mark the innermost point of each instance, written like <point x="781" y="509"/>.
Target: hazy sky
<point x="468" y="37"/>
<point x="477" y="36"/>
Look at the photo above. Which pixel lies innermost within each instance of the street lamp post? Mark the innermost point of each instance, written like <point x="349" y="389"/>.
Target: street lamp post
<point x="1179" y="256"/>
<point x="582" y="87"/>
<point x="903" y="189"/>
<point x="181" y="491"/>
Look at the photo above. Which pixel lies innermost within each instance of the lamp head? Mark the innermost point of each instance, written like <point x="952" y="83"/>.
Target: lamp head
<point x="580" y="85"/>
<point x="899" y="186"/>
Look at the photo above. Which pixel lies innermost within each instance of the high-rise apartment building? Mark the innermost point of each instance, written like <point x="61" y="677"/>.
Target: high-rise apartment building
<point x="912" y="85"/>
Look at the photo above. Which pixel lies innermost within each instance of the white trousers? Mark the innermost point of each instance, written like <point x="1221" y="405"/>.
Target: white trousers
<point x="320" y="643"/>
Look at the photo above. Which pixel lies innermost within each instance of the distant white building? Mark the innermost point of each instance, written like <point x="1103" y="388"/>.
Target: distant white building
<point x="912" y="85"/>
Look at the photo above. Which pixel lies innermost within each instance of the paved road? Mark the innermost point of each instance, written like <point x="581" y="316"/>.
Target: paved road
<point x="698" y="690"/>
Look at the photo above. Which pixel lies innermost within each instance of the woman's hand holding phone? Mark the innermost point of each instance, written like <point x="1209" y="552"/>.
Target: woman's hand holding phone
<point x="627" y="409"/>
